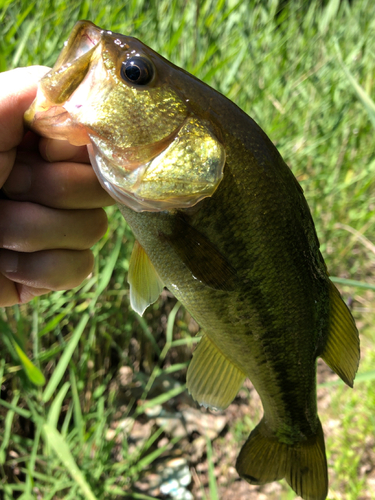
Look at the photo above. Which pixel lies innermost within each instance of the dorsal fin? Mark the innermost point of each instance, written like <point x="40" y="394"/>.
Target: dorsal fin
<point x="145" y="283"/>
<point x="341" y="352"/>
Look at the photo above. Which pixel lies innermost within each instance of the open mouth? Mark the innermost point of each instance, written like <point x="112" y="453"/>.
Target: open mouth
<point x="72" y="64"/>
<point x="46" y="115"/>
<point x="84" y="37"/>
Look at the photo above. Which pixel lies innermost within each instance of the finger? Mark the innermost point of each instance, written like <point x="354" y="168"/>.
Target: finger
<point x="48" y="269"/>
<point x="6" y="163"/>
<point x="18" y="89"/>
<point x="12" y="293"/>
<point x="27" y="293"/>
<point x="29" y="227"/>
<point x="57" y="185"/>
<point x="8" y="292"/>
<point x="55" y="150"/>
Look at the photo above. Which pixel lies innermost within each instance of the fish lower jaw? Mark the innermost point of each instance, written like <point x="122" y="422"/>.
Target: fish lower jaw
<point x="54" y="122"/>
<point x="126" y="185"/>
<point x="121" y="196"/>
<point x="126" y="198"/>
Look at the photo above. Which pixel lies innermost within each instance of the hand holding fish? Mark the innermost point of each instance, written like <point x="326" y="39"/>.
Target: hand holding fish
<point x="51" y="213"/>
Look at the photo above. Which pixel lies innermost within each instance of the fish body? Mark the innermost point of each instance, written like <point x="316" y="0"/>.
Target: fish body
<point x="219" y="220"/>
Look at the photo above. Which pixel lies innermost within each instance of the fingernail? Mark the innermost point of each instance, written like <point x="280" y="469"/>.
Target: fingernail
<point x="8" y="261"/>
<point x="19" y="180"/>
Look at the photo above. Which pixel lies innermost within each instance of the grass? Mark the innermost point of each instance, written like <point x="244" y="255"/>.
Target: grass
<point x="306" y="75"/>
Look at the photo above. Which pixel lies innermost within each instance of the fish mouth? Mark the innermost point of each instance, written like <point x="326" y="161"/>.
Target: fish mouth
<point x="47" y="115"/>
<point x="73" y="62"/>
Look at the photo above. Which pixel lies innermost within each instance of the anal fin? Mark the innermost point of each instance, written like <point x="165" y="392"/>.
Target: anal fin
<point x="145" y="283"/>
<point x="212" y="379"/>
<point x="341" y="352"/>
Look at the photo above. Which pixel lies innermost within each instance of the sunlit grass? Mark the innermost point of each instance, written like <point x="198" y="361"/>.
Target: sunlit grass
<point x="306" y="75"/>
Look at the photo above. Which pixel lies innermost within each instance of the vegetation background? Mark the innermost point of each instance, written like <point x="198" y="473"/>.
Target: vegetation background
<point x="113" y="419"/>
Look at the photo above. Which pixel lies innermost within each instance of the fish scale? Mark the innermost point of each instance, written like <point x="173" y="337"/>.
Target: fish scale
<point x="221" y="221"/>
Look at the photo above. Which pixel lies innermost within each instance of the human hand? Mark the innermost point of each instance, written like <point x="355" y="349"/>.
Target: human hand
<point x="52" y="212"/>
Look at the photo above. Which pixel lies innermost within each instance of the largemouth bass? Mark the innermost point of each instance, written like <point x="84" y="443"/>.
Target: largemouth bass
<point x="219" y="220"/>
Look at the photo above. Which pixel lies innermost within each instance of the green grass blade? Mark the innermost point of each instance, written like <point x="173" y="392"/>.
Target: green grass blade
<point x="64" y="360"/>
<point x="7" y="429"/>
<point x="54" y="322"/>
<point x="211" y="472"/>
<point x="61" y="449"/>
<point x="23" y="42"/>
<point x="190" y="341"/>
<point x="140" y="496"/>
<point x="354" y="283"/>
<point x="360" y="377"/>
<point x="106" y="273"/>
<point x="20" y="411"/>
<point x="162" y="398"/>
<point x="77" y="412"/>
<point x="170" y="323"/>
<point x="32" y="460"/>
<point x="329" y="14"/>
<point x="55" y="410"/>
<point x="148" y="334"/>
<point x="362" y="95"/>
<point x="33" y="373"/>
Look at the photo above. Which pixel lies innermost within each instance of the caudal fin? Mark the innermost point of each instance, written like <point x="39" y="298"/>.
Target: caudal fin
<point x="264" y="459"/>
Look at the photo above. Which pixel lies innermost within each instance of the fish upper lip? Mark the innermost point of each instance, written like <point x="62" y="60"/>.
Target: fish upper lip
<point x="84" y="37"/>
<point x="72" y="64"/>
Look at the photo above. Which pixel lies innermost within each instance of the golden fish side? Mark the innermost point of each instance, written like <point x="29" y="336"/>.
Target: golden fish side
<point x="221" y="221"/>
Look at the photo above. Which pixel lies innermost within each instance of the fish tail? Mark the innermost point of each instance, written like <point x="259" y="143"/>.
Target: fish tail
<point x="264" y="459"/>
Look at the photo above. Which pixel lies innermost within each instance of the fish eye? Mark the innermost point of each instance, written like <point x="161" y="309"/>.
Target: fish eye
<point x="137" y="70"/>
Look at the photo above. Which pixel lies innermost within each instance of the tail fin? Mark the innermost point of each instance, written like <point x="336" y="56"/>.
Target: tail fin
<point x="264" y="459"/>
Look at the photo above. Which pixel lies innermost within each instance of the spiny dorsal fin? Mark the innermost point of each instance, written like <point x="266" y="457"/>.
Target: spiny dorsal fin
<point x="341" y="351"/>
<point x="212" y="379"/>
<point x="144" y="281"/>
<point x="264" y="459"/>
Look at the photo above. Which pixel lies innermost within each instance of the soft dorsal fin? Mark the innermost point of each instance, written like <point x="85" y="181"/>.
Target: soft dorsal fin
<point x="200" y="256"/>
<point x="341" y="351"/>
<point x="212" y="379"/>
<point x="145" y="283"/>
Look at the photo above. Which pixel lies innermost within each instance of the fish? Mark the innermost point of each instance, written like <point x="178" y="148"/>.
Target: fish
<point x="221" y="221"/>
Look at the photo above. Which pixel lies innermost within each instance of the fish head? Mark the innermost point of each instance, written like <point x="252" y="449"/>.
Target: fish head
<point x="149" y="148"/>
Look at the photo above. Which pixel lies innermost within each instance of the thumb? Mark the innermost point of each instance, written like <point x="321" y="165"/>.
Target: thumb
<point x="18" y="89"/>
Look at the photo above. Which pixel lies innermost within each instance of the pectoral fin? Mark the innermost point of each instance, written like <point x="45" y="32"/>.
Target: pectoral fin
<point x="212" y="379"/>
<point x="204" y="261"/>
<point x="145" y="283"/>
<point x="341" y="351"/>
